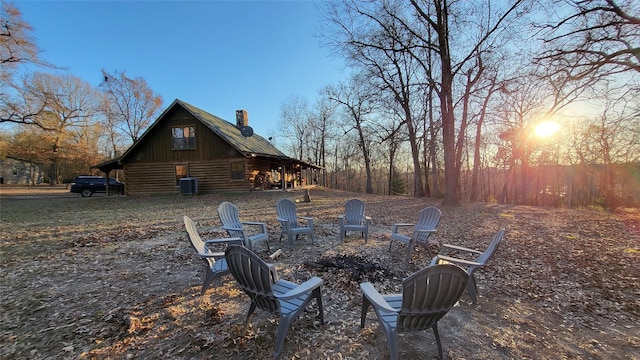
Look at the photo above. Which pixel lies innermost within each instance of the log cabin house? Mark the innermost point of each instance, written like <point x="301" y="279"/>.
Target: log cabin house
<point x="188" y="143"/>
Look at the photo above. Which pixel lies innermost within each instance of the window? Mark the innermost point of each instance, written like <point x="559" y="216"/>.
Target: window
<point x="237" y="170"/>
<point x="183" y="138"/>
<point x="182" y="171"/>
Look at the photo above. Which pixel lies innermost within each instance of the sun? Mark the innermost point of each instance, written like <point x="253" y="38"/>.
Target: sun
<point x="546" y="129"/>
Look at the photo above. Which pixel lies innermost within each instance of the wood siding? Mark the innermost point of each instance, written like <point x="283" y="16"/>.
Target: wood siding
<point x="146" y="178"/>
<point x="151" y="167"/>
<point x="156" y="146"/>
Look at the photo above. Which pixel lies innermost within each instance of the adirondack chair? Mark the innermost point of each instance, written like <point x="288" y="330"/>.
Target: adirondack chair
<point x="427" y="296"/>
<point x="428" y="219"/>
<point x="215" y="261"/>
<point x="230" y="220"/>
<point x="260" y="281"/>
<point x="354" y="219"/>
<point x="471" y="265"/>
<point x="288" y="217"/>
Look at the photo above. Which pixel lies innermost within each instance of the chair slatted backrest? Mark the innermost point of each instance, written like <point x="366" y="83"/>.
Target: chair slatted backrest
<point x="287" y="210"/>
<point x="196" y="240"/>
<point x="255" y="277"/>
<point x="428" y="219"/>
<point x="354" y="212"/>
<point x="229" y="217"/>
<point x="492" y="248"/>
<point x="429" y="294"/>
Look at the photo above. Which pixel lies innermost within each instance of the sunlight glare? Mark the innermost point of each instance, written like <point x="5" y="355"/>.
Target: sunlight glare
<point x="546" y="129"/>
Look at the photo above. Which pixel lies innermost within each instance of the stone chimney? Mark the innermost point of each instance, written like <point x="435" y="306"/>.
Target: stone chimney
<point x="242" y="118"/>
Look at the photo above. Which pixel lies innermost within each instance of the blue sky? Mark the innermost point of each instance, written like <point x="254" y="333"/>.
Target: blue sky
<point x="217" y="55"/>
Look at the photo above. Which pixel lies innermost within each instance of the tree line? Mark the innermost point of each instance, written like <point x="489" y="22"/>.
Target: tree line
<point x="443" y="99"/>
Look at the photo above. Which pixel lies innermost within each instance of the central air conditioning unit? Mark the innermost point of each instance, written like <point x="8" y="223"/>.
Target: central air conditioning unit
<point x="188" y="186"/>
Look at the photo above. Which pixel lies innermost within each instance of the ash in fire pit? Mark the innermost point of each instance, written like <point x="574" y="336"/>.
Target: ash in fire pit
<point x="358" y="268"/>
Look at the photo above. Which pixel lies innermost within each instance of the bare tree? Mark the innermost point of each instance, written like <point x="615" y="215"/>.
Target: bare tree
<point x="436" y="16"/>
<point x="132" y="104"/>
<point x="357" y="101"/>
<point x="518" y="111"/>
<point x="491" y="87"/>
<point x="116" y="139"/>
<point x="17" y="44"/>
<point x="295" y="117"/>
<point x="17" y="47"/>
<point x="588" y="45"/>
<point x="391" y="133"/>
<point x="423" y="28"/>
<point x="596" y="37"/>
<point x="612" y="137"/>
<point x="323" y="131"/>
<point x="372" y="40"/>
<point x="72" y="105"/>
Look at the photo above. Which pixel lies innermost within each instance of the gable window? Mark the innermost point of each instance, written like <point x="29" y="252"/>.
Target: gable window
<point x="183" y="138"/>
<point x="182" y="171"/>
<point x="237" y="170"/>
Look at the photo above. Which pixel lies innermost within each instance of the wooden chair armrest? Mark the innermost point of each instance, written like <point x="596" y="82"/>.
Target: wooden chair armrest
<point x="262" y="225"/>
<point x="232" y="228"/>
<point x="374" y="297"/>
<point x="446" y="247"/>
<point x="216" y="255"/>
<point x="230" y="241"/>
<point x="427" y="231"/>
<point x="456" y="261"/>
<point x="396" y="227"/>
<point x="304" y="288"/>
<point x="307" y="219"/>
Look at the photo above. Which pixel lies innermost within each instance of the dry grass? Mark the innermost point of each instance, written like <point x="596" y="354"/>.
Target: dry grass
<point x="116" y="278"/>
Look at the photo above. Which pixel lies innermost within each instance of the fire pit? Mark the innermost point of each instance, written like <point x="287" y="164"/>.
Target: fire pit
<point x="356" y="267"/>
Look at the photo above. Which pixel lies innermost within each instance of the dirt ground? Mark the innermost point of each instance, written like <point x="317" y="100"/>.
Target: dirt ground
<point x="116" y="278"/>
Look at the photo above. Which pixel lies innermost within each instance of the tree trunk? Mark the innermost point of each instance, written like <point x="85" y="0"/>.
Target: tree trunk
<point x="476" y="161"/>
<point x="415" y="152"/>
<point x="392" y="156"/>
<point x="446" y="109"/>
<point x="476" y="149"/>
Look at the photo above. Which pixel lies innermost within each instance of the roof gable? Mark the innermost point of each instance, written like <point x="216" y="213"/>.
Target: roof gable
<point x="254" y="145"/>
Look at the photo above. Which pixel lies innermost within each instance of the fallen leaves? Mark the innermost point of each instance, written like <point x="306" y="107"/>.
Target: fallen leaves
<point x="564" y="283"/>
